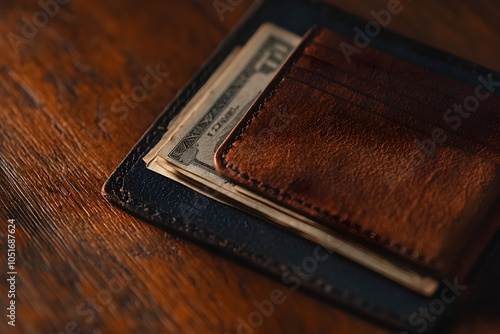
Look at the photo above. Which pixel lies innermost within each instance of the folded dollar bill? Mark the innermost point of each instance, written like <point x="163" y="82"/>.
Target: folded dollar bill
<point x="186" y="151"/>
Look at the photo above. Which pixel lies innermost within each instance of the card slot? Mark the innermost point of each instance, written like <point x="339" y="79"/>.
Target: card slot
<point x="330" y="162"/>
<point x="357" y="99"/>
<point x="360" y="84"/>
<point x="375" y="57"/>
<point x="482" y="128"/>
<point x="394" y="115"/>
<point x="403" y="68"/>
<point x="408" y="89"/>
<point x="392" y="80"/>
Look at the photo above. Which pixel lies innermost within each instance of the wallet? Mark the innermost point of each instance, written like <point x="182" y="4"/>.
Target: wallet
<point x="321" y="140"/>
<point x="271" y="249"/>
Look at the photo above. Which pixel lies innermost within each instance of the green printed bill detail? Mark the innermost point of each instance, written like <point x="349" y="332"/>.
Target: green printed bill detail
<point x="186" y="151"/>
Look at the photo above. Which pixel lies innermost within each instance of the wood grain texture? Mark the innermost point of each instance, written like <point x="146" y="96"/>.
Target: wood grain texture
<point x="87" y="267"/>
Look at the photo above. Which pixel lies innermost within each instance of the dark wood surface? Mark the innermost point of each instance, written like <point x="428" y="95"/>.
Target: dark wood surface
<point x="83" y="265"/>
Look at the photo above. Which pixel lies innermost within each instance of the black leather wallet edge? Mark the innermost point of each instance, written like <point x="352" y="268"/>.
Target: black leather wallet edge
<point x="116" y="192"/>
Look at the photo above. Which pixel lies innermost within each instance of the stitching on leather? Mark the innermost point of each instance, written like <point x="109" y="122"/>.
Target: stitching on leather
<point x="116" y="181"/>
<point x="192" y="231"/>
<point x="356" y="228"/>
<point x="123" y="198"/>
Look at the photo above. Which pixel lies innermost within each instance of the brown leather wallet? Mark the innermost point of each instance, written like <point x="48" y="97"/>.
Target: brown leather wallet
<point x="369" y="149"/>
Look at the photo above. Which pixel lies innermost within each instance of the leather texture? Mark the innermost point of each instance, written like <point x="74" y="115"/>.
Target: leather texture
<point x="263" y="246"/>
<point x="328" y="150"/>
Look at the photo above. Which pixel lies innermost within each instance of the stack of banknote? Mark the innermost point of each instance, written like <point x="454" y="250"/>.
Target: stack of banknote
<point x="186" y="152"/>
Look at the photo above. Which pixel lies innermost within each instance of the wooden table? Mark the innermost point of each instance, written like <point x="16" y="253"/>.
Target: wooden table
<point x="86" y="267"/>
